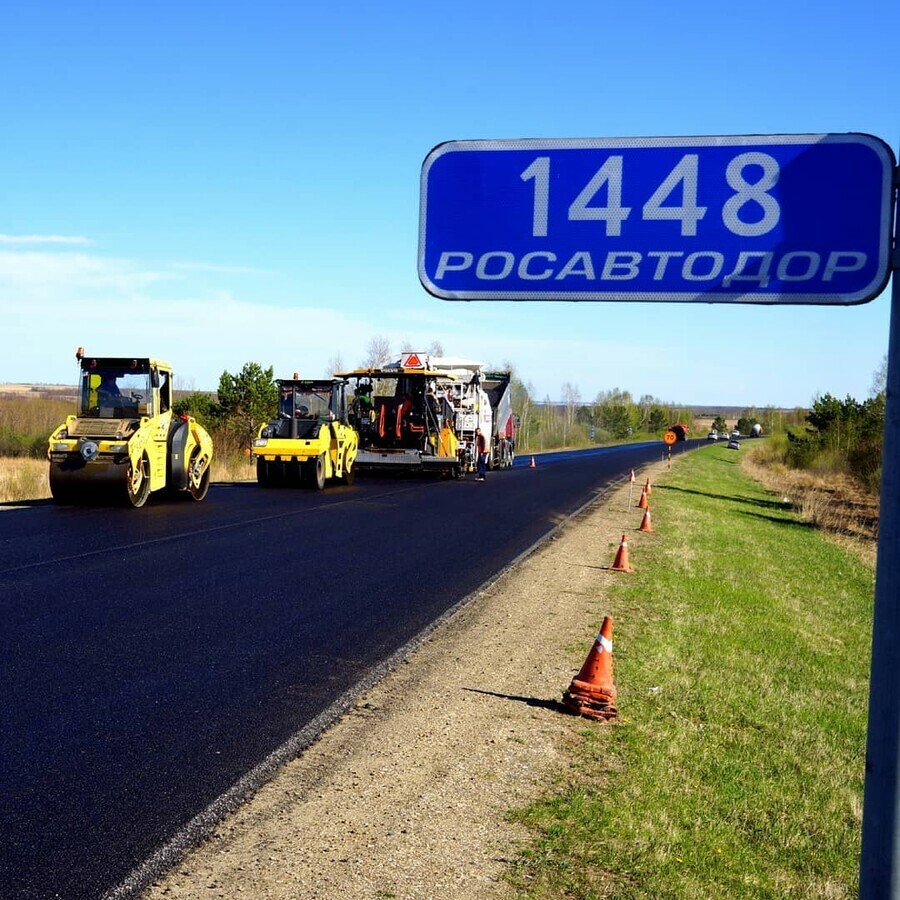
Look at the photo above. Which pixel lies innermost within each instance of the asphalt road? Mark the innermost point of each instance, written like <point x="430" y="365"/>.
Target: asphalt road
<point x="150" y="659"/>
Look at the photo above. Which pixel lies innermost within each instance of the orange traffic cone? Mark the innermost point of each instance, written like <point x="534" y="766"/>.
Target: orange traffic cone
<point x="592" y="692"/>
<point x="646" y="524"/>
<point x="621" y="564"/>
<point x="532" y="466"/>
<point x="642" y="503"/>
<point x="648" y="487"/>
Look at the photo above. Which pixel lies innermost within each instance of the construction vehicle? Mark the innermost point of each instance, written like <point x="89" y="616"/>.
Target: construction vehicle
<point x="680" y="431"/>
<point x="311" y="441"/>
<point x="480" y="399"/>
<point x="124" y="441"/>
<point x="403" y="422"/>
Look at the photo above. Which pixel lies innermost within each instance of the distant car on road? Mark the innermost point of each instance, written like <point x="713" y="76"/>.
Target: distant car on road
<point x="713" y="435"/>
<point x="734" y="444"/>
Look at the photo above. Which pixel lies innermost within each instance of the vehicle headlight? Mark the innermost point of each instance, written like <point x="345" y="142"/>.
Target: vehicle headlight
<point x="89" y="451"/>
<point x="260" y="442"/>
<point x="118" y="448"/>
<point x="61" y="448"/>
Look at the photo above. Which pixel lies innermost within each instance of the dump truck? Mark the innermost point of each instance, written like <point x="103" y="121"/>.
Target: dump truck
<point x="480" y="399"/>
<point x="404" y="423"/>
<point x="311" y="441"/>
<point x="124" y="442"/>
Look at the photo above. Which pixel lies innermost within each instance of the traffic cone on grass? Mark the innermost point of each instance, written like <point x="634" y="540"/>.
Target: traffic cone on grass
<point x="648" y="487"/>
<point x="592" y="692"/>
<point x="646" y="524"/>
<point x="620" y="563"/>
<point x="642" y="503"/>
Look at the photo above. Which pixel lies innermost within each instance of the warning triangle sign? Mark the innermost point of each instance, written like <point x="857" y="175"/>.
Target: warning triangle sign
<point x="412" y="361"/>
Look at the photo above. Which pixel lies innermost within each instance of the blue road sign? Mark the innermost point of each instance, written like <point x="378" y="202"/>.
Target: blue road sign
<point x="739" y="219"/>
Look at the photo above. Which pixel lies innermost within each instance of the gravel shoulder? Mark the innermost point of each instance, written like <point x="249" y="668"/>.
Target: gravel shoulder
<point x="407" y="795"/>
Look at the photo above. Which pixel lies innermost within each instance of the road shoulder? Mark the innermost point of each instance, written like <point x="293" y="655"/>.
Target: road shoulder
<point x="407" y="795"/>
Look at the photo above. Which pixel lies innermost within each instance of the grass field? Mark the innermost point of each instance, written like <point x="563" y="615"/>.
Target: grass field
<point x="742" y="657"/>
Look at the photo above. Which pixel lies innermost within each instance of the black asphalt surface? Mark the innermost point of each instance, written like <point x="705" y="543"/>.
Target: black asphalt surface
<point x="151" y="658"/>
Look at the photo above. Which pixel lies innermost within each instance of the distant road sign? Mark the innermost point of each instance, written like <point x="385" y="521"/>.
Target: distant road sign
<point x="670" y="437"/>
<point x="739" y="219"/>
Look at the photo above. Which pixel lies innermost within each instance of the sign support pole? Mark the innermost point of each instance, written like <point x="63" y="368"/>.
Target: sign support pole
<point x="879" y="869"/>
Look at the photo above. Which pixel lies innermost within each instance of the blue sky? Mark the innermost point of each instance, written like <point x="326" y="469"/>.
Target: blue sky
<point x="218" y="184"/>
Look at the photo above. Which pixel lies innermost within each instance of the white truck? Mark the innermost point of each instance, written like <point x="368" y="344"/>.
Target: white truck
<point x="481" y="398"/>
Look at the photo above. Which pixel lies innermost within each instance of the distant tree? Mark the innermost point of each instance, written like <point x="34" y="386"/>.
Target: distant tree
<point x="849" y="432"/>
<point x="645" y="407"/>
<point x="522" y="406"/>
<point x="658" y="420"/>
<point x="549" y="430"/>
<point x="247" y="399"/>
<point x="200" y="406"/>
<point x="335" y="364"/>
<point x="879" y="379"/>
<point x="571" y="398"/>
<point x="746" y="421"/>
<point x="719" y="423"/>
<point x="617" y="412"/>
<point x="435" y="348"/>
<point x="770" y="419"/>
<point x="378" y="352"/>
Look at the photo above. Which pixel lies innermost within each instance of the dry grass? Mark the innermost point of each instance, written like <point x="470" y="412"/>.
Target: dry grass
<point x="233" y="467"/>
<point x="23" y="478"/>
<point x="834" y="503"/>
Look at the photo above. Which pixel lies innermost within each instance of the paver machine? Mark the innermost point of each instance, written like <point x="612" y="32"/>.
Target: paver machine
<point x="404" y="422"/>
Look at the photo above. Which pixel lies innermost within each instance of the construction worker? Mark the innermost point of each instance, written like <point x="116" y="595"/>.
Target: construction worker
<point x="108" y="393"/>
<point x="481" y="455"/>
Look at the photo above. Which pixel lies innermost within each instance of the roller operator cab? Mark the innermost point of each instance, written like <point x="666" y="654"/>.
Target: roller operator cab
<point x="311" y="440"/>
<point x="124" y="442"/>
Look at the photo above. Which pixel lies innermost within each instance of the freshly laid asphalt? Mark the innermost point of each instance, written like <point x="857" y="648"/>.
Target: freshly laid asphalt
<point x="150" y="659"/>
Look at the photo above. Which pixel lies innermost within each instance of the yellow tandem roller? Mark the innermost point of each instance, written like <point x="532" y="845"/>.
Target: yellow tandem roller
<point x="124" y="441"/>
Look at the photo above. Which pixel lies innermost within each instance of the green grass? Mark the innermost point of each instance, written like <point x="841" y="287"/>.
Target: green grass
<point x="742" y="659"/>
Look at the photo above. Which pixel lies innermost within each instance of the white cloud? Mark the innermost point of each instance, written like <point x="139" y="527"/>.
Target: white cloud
<point x="44" y="239"/>
<point x="68" y="272"/>
<point x="220" y="269"/>
<point x="50" y="303"/>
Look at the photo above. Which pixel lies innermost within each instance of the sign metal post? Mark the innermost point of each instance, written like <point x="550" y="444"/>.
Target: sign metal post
<point x="879" y="870"/>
